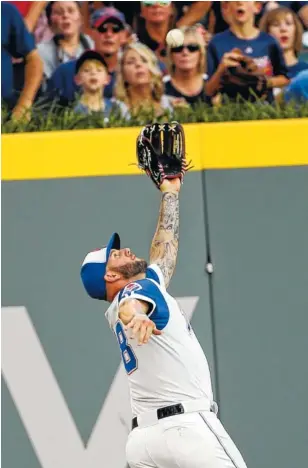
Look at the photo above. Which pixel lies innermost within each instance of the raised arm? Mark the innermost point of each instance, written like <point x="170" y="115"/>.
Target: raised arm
<point x="165" y="243"/>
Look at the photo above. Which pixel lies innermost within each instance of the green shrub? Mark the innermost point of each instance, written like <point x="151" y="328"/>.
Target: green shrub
<point x="54" y="118"/>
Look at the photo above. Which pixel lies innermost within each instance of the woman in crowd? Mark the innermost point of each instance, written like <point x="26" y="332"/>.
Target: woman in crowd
<point x="284" y="25"/>
<point x="139" y="82"/>
<point x="186" y="64"/>
<point x="68" y="43"/>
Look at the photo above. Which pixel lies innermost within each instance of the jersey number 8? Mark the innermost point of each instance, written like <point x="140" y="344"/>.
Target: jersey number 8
<point x="128" y="355"/>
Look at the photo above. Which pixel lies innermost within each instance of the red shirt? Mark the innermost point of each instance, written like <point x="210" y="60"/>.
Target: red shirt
<point x="22" y="7"/>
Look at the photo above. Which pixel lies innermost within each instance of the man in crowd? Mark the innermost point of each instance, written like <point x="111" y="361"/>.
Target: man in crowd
<point x="158" y="20"/>
<point x="16" y="41"/>
<point x="109" y="25"/>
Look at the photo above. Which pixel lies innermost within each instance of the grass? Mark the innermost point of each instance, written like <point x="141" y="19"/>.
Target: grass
<point x="51" y="118"/>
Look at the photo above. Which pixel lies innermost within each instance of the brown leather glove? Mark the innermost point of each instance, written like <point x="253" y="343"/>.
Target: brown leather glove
<point x="246" y="75"/>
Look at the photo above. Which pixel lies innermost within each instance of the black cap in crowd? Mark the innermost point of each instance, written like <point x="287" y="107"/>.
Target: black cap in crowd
<point x="90" y="55"/>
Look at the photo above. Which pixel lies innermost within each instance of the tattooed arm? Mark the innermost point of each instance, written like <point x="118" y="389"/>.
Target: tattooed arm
<point x="165" y="243"/>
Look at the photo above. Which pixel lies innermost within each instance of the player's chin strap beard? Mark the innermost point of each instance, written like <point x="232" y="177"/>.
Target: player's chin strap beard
<point x="133" y="269"/>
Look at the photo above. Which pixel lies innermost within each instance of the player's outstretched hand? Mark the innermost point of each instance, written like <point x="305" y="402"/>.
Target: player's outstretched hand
<point x="142" y="328"/>
<point x="170" y="185"/>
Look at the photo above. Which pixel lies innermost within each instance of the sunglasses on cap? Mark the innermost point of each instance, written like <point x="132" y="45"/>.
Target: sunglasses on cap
<point x="161" y="3"/>
<point x="116" y="28"/>
<point x="189" y="47"/>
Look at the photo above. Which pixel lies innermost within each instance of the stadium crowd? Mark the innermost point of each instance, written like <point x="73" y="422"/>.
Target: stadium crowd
<point x="99" y="56"/>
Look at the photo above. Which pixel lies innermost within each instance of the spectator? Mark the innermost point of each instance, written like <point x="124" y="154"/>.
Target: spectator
<point x="16" y="41"/>
<point x="284" y="25"/>
<point x="300" y="8"/>
<point x="30" y="12"/>
<point x="68" y="43"/>
<point x="187" y="13"/>
<point x="243" y="35"/>
<point x="92" y="76"/>
<point x="139" y="82"/>
<point x="298" y="88"/>
<point x="186" y="68"/>
<point x="159" y="18"/>
<point x="110" y="26"/>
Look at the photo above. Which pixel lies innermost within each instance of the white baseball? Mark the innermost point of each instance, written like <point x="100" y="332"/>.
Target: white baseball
<point x="175" y="38"/>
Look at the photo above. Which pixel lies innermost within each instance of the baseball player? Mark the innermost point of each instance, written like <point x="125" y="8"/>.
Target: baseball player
<point x="175" y="423"/>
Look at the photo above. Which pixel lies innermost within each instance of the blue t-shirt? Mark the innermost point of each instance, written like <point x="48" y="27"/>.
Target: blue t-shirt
<point x="62" y="83"/>
<point x="296" y="69"/>
<point x="298" y="88"/>
<point x="16" y="41"/>
<point x="264" y="49"/>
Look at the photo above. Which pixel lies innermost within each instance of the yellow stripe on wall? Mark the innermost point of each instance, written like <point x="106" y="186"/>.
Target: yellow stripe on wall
<point x="108" y="152"/>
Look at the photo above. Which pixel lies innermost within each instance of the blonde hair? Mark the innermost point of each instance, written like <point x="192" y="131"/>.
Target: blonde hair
<point x="122" y="88"/>
<point x="271" y="16"/>
<point x="189" y="31"/>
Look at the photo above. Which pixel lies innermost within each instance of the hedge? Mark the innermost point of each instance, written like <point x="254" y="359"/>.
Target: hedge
<point x="54" y="118"/>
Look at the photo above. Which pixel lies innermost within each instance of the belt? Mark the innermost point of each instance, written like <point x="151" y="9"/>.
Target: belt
<point x="152" y="417"/>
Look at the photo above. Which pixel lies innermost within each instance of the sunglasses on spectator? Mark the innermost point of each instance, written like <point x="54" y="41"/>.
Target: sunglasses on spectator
<point x="189" y="47"/>
<point x="161" y="3"/>
<point x="116" y="28"/>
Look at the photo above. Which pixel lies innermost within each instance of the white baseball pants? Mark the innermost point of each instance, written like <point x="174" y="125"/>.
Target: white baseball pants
<point x="189" y="440"/>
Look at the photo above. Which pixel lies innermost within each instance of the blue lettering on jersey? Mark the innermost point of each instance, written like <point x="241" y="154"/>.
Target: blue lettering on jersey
<point x="128" y="356"/>
<point x="150" y="293"/>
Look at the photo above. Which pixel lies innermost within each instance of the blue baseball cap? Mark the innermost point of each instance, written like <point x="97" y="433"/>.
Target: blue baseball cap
<point x="107" y="14"/>
<point x="94" y="266"/>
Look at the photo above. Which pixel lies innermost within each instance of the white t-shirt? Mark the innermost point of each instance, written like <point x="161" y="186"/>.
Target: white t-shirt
<point x="171" y="367"/>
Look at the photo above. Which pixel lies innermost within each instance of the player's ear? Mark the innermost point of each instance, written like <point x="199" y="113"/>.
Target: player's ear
<point x="111" y="276"/>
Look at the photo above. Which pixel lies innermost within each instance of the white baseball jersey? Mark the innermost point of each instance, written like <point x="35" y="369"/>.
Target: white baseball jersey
<point x="171" y="367"/>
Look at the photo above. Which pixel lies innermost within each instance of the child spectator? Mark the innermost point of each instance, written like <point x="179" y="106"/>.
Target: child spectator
<point x="139" y="82"/>
<point x="68" y="43"/>
<point x="260" y="46"/>
<point x="92" y="76"/>
<point x="186" y="67"/>
<point x="16" y="41"/>
<point x="299" y="8"/>
<point x="284" y="25"/>
<point x="109" y="25"/>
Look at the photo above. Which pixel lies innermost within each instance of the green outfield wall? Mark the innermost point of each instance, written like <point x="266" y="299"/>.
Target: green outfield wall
<point x="64" y="395"/>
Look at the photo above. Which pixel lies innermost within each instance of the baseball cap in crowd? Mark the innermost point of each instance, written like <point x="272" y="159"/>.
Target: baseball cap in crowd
<point x="94" y="268"/>
<point x="108" y="14"/>
<point x="90" y="55"/>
